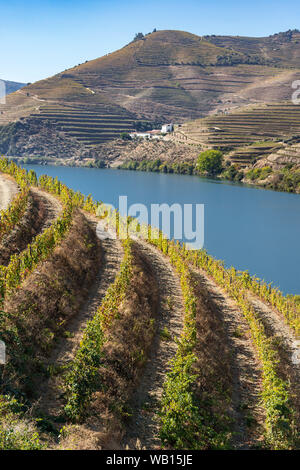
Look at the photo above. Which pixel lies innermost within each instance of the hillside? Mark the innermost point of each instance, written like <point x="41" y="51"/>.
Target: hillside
<point x="281" y="49"/>
<point x="247" y="133"/>
<point x="164" y="76"/>
<point x="135" y="343"/>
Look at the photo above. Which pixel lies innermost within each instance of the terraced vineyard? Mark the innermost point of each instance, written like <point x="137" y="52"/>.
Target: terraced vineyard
<point x="90" y="126"/>
<point x="289" y="154"/>
<point x="135" y="343"/>
<point x="248" y="133"/>
<point x="165" y="76"/>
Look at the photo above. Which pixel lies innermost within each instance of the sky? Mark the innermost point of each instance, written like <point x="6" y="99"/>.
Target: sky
<point x="41" y="38"/>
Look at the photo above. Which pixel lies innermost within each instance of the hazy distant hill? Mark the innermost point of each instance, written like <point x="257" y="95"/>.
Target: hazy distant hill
<point x="165" y="76"/>
<point x="10" y="87"/>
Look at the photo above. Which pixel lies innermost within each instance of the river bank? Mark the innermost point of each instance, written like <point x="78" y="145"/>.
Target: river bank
<point x="166" y="156"/>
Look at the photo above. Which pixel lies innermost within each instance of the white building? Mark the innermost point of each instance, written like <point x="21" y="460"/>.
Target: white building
<point x="155" y="134"/>
<point x="167" y="128"/>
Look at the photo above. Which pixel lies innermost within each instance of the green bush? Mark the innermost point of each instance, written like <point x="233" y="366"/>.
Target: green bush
<point x="184" y="168"/>
<point x="259" y="173"/>
<point x="15" y="432"/>
<point x="232" y="173"/>
<point x="125" y="136"/>
<point x="210" y="162"/>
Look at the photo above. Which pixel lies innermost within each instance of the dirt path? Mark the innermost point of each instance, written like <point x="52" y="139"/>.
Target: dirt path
<point x="52" y="205"/>
<point x="66" y="347"/>
<point x="8" y="189"/>
<point x="246" y="370"/>
<point x="142" y="431"/>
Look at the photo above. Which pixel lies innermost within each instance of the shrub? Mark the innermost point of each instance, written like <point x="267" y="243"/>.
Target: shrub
<point x="259" y="173"/>
<point x="15" y="432"/>
<point x="125" y="136"/>
<point x="210" y="162"/>
<point x="232" y="173"/>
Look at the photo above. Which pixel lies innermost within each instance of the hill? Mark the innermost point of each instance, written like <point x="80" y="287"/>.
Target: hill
<point x="246" y="133"/>
<point x="161" y="77"/>
<point x="10" y="87"/>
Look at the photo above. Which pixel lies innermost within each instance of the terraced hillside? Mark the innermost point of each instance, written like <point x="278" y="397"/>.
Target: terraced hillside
<point x="288" y="155"/>
<point x="281" y="48"/>
<point x="163" y="77"/>
<point x="137" y="342"/>
<point x="249" y="133"/>
<point x="90" y="126"/>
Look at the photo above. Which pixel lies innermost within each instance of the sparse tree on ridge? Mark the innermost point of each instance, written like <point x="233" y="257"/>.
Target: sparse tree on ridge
<point x="138" y="36"/>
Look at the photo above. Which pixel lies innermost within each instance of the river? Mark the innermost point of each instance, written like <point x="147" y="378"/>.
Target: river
<point x="247" y="227"/>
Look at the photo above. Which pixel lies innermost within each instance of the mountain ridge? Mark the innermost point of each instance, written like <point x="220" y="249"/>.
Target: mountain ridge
<point x="164" y="76"/>
<point x="11" y="87"/>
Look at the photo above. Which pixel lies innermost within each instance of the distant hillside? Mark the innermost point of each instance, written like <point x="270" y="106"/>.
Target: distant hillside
<point x="281" y="49"/>
<point x="10" y="87"/>
<point x="161" y="77"/>
<point x="246" y="134"/>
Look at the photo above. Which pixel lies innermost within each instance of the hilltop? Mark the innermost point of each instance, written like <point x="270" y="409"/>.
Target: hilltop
<point x="160" y="77"/>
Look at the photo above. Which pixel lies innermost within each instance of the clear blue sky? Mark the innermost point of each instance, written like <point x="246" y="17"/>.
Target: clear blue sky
<point x="41" y="38"/>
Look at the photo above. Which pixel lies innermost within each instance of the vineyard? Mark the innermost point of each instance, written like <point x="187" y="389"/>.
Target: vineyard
<point x="135" y="343"/>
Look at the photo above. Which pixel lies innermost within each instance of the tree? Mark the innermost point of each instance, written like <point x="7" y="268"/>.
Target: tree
<point x="138" y="36"/>
<point x="125" y="136"/>
<point x="210" y="162"/>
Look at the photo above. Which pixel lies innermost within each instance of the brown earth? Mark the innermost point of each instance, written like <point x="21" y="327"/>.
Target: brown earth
<point x="117" y="152"/>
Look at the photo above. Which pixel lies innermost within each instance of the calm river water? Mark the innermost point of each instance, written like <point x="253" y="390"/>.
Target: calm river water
<point x="248" y="228"/>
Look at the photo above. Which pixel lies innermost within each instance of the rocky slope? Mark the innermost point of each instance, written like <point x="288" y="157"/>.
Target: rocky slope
<point x="34" y="138"/>
<point x="117" y="152"/>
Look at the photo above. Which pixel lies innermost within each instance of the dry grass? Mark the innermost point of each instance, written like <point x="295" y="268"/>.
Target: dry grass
<point x="169" y="76"/>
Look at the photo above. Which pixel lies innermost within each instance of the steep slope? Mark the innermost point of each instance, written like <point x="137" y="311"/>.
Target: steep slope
<point x="179" y="75"/>
<point x="164" y="76"/>
<point x="249" y="132"/>
<point x="287" y="155"/>
<point x="281" y="49"/>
